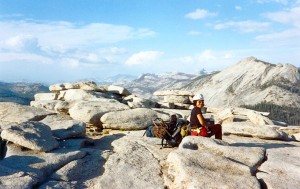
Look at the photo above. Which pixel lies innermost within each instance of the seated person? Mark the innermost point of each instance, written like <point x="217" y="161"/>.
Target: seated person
<point x="198" y="123"/>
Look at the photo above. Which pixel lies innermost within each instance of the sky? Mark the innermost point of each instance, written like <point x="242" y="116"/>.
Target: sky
<point x="54" y="41"/>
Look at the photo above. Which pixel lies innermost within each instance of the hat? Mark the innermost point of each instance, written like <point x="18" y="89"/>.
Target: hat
<point x="198" y="97"/>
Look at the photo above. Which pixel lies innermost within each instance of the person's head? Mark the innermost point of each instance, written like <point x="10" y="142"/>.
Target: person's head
<point x="198" y="100"/>
<point x="173" y="118"/>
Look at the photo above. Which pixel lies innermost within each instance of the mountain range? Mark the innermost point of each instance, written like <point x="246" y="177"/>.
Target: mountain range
<point x="250" y="81"/>
<point x="147" y="84"/>
<point x="20" y="92"/>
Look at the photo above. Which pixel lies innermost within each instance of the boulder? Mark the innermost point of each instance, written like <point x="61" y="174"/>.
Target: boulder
<point x="79" y="94"/>
<point x="177" y="99"/>
<point x="296" y="136"/>
<point x="118" y="90"/>
<point x="87" y="85"/>
<point x="58" y="184"/>
<point x="57" y="87"/>
<point x="46" y="104"/>
<point x="82" y="170"/>
<point x="63" y="129"/>
<point x="92" y="111"/>
<point x="45" y="96"/>
<point x="62" y="106"/>
<point x="181" y="106"/>
<point x="201" y="162"/>
<point x="136" y="102"/>
<point x="131" y="165"/>
<point x="39" y="165"/>
<point x="76" y="143"/>
<point x="133" y="119"/>
<point x="291" y="130"/>
<point x="32" y="135"/>
<point x="180" y="113"/>
<point x="56" y="117"/>
<point x="166" y="105"/>
<point x="225" y="115"/>
<point x="248" y="129"/>
<point x="282" y="168"/>
<point x="15" y="113"/>
<point x="258" y="118"/>
<point x="15" y="179"/>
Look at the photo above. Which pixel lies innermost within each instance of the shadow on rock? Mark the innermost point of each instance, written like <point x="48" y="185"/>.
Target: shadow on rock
<point x="86" y="170"/>
<point x="23" y="163"/>
<point x="104" y="143"/>
<point x="264" y="145"/>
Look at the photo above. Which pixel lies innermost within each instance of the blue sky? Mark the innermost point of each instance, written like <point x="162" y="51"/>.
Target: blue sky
<point x="54" y="41"/>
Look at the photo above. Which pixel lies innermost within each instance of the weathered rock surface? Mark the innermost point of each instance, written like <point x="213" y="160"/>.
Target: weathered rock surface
<point x="249" y="129"/>
<point x="15" y="113"/>
<point x="46" y="104"/>
<point x="38" y="165"/>
<point x="118" y="90"/>
<point x="59" y="184"/>
<point x="15" y="179"/>
<point x="79" y="94"/>
<point x="63" y="129"/>
<point x="199" y="162"/>
<point x="45" y="96"/>
<point x="89" y="86"/>
<point x="136" y="102"/>
<point x="133" y="119"/>
<point x="32" y="135"/>
<point x="234" y="162"/>
<point x="92" y="111"/>
<point x="166" y="113"/>
<point x="132" y="165"/>
<point x="282" y="169"/>
<point x="296" y="136"/>
<point x="177" y="99"/>
<point x="125" y="159"/>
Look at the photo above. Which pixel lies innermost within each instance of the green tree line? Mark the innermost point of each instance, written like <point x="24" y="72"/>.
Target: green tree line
<point x="289" y="115"/>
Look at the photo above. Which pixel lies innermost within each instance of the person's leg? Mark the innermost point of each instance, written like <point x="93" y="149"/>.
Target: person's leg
<point x="216" y="130"/>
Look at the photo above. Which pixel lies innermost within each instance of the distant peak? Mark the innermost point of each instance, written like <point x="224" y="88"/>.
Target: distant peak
<point x="250" y="59"/>
<point x="253" y="59"/>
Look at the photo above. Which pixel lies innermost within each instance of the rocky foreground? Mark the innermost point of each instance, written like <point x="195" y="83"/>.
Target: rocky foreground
<point x="87" y="136"/>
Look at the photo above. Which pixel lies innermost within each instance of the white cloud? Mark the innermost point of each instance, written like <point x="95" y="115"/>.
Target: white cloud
<point x="244" y="26"/>
<point x="64" y="43"/>
<point x="284" y="38"/>
<point x="228" y="55"/>
<point x="70" y="63"/>
<point x="24" y="57"/>
<point x="208" y="59"/>
<point x="239" y="8"/>
<point x="287" y="37"/>
<point x="144" y="57"/>
<point x="206" y="55"/>
<point x="21" y="42"/>
<point x="99" y="56"/>
<point x="200" y="14"/>
<point x="60" y="36"/>
<point x="286" y="17"/>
